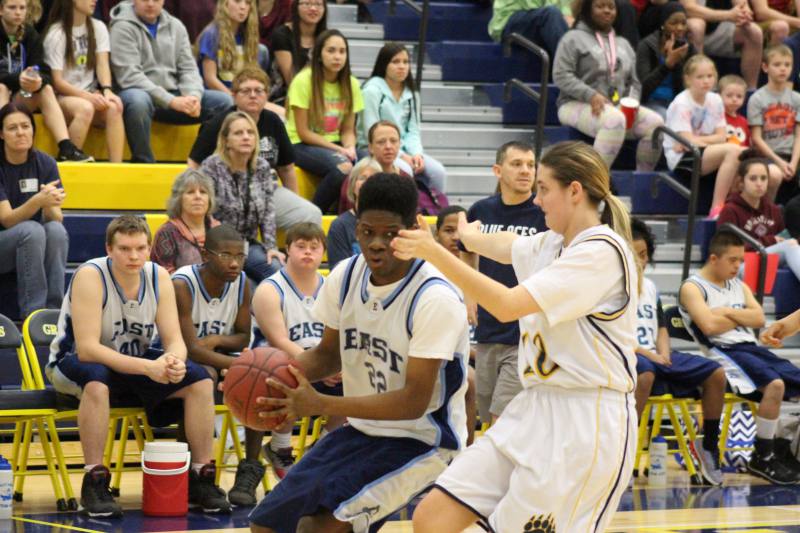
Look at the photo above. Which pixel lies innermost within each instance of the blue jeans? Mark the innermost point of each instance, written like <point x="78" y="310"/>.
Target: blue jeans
<point x="38" y="254"/>
<point x="140" y="111"/>
<point x="544" y="26"/>
<point x="324" y="163"/>
<point x="256" y="266"/>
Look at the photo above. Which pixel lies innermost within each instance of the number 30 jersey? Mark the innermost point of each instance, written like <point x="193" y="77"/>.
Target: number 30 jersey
<point x="127" y="326"/>
<point x="382" y="327"/>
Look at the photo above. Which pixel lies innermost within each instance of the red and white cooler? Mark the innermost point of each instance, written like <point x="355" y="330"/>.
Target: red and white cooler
<point x="165" y="478"/>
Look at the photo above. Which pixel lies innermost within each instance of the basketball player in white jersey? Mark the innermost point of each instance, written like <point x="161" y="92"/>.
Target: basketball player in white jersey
<point x="398" y="333"/>
<point x="719" y="310"/>
<point x="561" y="454"/>
<point x="108" y="321"/>
<point x="282" y="311"/>
<point x="214" y="312"/>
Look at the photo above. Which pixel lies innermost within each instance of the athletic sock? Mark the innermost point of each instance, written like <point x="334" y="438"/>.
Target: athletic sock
<point x="766" y="428"/>
<point x="280" y="440"/>
<point x="711" y="435"/>
<point x="88" y="468"/>
<point x="197" y="467"/>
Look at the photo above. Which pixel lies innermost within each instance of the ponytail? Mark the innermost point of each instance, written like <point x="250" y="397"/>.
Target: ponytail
<point x="615" y="213"/>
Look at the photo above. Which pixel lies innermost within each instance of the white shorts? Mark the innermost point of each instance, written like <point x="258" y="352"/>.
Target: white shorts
<point x="556" y="457"/>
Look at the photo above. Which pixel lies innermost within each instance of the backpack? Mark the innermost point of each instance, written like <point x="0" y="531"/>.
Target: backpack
<point x="430" y="200"/>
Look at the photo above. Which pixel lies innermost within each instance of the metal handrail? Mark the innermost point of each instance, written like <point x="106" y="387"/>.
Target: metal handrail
<point x="423" y="12"/>
<point x="690" y="194"/>
<point x="762" y="257"/>
<point x="539" y="97"/>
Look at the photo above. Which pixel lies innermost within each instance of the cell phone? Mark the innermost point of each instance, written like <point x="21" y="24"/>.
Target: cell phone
<point x="678" y="43"/>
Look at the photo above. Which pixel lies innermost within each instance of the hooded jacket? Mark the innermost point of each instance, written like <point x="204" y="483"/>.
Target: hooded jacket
<point x="652" y="70"/>
<point x="580" y="69"/>
<point x="762" y="223"/>
<point x="157" y="65"/>
<point x="380" y="104"/>
<point x="13" y="61"/>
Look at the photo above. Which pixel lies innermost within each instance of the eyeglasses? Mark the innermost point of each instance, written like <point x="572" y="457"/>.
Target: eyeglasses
<point x="253" y="92"/>
<point x="225" y="256"/>
<point x="311" y="4"/>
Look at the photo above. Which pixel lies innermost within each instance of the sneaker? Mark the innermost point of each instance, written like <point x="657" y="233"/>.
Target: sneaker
<point x="784" y="452"/>
<point x="771" y="469"/>
<point x="75" y="155"/>
<point x="249" y="474"/>
<point x="96" y="498"/>
<point x="709" y="464"/>
<point x="204" y="493"/>
<point x="281" y="460"/>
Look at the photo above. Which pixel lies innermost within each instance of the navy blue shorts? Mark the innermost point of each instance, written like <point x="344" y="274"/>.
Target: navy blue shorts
<point x="339" y="471"/>
<point x="762" y="366"/>
<point x="153" y="396"/>
<point x="681" y="379"/>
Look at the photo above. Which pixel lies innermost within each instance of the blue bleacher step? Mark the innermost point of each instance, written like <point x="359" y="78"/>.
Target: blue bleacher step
<point x="482" y="62"/>
<point x="521" y="109"/>
<point x="447" y="21"/>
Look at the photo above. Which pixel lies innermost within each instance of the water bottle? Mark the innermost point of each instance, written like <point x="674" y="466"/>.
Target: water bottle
<point x="33" y="72"/>
<point x="657" y="473"/>
<point x="6" y="488"/>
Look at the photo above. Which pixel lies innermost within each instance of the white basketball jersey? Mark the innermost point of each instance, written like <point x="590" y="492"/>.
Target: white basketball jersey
<point x="584" y="337"/>
<point x="731" y="294"/>
<point x="647" y="315"/>
<point x="212" y="316"/>
<point x="380" y="327"/>
<point x="296" y="307"/>
<point x="126" y="326"/>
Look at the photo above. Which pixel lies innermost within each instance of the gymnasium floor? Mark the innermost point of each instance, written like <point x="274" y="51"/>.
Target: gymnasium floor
<point x="743" y="504"/>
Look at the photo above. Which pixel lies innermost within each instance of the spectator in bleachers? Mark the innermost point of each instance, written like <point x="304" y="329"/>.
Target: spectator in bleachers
<point x="324" y="100"/>
<point x="594" y="68"/>
<point x="732" y="89"/>
<point x="544" y="23"/>
<point x="250" y="88"/>
<point x="293" y="41"/>
<point x="153" y="65"/>
<point x="750" y="208"/>
<point x="390" y="94"/>
<point x="271" y="15"/>
<point x="76" y="50"/>
<point x="230" y="43"/>
<point x="245" y="192"/>
<point x="773" y="112"/>
<point x="777" y="17"/>
<point x="25" y="78"/>
<point x="727" y="30"/>
<point x="660" y="57"/>
<point x="791" y="214"/>
<point x="194" y="14"/>
<point x="179" y="241"/>
<point x="698" y="115"/>
<point x="33" y="241"/>
<point x="342" y="241"/>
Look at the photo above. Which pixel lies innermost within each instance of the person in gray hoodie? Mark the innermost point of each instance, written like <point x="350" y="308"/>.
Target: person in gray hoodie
<point x="152" y="61"/>
<point x="390" y="94"/>
<point x="594" y="69"/>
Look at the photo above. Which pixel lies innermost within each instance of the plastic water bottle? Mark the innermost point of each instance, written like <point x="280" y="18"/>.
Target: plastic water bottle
<point x="6" y="488"/>
<point x="33" y="72"/>
<point x="657" y="473"/>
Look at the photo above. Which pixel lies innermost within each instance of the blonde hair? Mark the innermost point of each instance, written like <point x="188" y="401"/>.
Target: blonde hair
<point x="731" y="79"/>
<point x="34" y="12"/>
<point x="577" y="161"/>
<point x="695" y="61"/>
<point x="226" y="47"/>
<point x="222" y="138"/>
<point x="777" y="50"/>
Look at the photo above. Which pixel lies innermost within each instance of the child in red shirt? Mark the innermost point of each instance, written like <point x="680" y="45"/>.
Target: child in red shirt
<point x="732" y="88"/>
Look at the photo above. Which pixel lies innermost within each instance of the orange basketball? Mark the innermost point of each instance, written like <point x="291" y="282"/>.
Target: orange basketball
<point x="246" y="380"/>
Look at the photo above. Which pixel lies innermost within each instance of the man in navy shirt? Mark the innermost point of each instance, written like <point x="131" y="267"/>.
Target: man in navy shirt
<point x="510" y="209"/>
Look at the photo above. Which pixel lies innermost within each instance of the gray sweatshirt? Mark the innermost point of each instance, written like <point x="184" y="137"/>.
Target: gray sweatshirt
<point x="156" y="65"/>
<point x="581" y="68"/>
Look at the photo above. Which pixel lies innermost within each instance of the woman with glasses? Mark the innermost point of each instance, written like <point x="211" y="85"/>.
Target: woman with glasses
<point x="245" y="188"/>
<point x="179" y="241"/>
<point x="292" y="42"/>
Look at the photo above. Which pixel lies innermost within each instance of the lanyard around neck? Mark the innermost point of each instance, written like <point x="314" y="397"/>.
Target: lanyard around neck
<point x="610" y="54"/>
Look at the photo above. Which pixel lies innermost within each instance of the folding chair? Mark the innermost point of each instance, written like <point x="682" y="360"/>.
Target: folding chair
<point x="28" y="408"/>
<point x="39" y="330"/>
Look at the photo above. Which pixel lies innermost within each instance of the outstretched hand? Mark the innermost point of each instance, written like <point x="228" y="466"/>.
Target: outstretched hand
<point x="415" y="243"/>
<point x="300" y="401"/>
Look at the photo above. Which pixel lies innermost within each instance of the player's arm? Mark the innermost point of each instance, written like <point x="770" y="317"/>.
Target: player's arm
<point x="270" y="320"/>
<point x="323" y="360"/>
<point x="777" y="331"/>
<point x="167" y="317"/>
<point x="87" y="310"/>
<point x="198" y="352"/>
<point x="237" y="341"/>
<point x="752" y="316"/>
<point x="473" y="261"/>
<point x="710" y="323"/>
<point x="495" y="246"/>
<point x="662" y="342"/>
